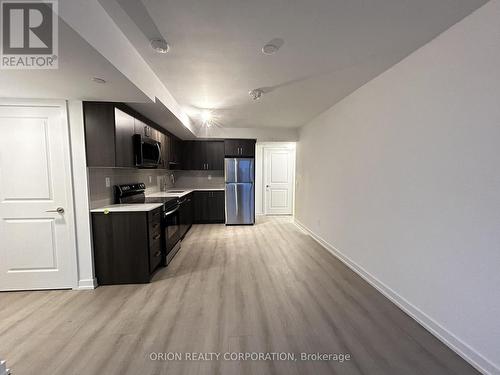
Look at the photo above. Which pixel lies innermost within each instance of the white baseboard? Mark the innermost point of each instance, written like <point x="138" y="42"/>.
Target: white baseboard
<point x="449" y="339"/>
<point x="87" y="284"/>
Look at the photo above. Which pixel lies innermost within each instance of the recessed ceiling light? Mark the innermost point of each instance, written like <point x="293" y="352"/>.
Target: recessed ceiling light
<point x="98" y="80"/>
<point x="269" y="49"/>
<point x="255" y="94"/>
<point x="272" y="46"/>
<point x="160" y="45"/>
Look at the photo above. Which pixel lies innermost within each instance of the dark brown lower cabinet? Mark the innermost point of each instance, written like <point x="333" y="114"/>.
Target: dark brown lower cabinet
<point x="208" y="207"/>
<point x="127" y="246"/>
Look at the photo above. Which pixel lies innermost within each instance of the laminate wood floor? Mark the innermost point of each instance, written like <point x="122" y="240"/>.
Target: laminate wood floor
<point x="263" y="288"/>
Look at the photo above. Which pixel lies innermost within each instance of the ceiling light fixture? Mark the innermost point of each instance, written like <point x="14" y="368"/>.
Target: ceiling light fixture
<point x="272" y="46"/>
<point x="255" y="94"/>
<point x="206" y="117"/>
<point x="160" y="45"/>
<point x="98" y="80"/>
<point x="269" y="49"/>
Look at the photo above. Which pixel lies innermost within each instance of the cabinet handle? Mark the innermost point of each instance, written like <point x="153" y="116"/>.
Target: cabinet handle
<point x="156" y="237"/>
<point x="158" y="253"/>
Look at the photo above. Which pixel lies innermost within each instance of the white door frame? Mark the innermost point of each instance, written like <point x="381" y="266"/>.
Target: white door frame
<point x="70" y="210"/>
<point x="289" y="146"/>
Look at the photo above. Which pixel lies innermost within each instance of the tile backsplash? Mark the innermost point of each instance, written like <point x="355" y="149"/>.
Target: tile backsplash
<point x="101" y="195"/>
<point x="199" y="179"/>
<point x="154" y="179"/>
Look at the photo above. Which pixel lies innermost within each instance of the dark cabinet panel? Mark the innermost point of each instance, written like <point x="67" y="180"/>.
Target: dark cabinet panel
<point x="239" y="148"/>
<point x="127" y="246"/>
<point x="165" y="149"/>
<point x="186" y="214"/>
<point x="216" y="203"/>
<point x="124" y="130"/>
<point x="215" y="155"/>
<point x="203" y="155"/>
<point x="208" y="207"/>
<point x="175" y="153"/>
<point x="99" y="119"/>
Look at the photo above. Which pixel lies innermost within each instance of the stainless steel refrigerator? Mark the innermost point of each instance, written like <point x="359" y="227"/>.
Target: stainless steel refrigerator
<point x="240" y="190"/>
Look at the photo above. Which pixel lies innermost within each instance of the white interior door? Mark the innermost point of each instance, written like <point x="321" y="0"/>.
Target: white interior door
<point x="37" y="246"/>
<point x="278" y="180"/>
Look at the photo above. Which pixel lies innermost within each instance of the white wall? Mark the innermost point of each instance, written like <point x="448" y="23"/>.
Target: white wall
<point x="86" y="279"/>
<point x="402" y="177"/>
<point x="261" y="134"/>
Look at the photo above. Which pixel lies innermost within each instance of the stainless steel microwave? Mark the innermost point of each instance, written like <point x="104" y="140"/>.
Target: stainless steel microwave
<point x="147" y="151"/>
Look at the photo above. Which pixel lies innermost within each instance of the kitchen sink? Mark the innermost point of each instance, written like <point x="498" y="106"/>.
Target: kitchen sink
<point x="175" y="191"/>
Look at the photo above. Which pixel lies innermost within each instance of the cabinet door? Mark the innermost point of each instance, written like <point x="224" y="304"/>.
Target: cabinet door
<point x="99" y="119"/>
<point x="231" y="147"/>
<point x="219" y="214"/>
<point x="165" y="150"/>
<point x="247" y="148"/>
<point x="175" y="150"/>
<point x="188" y="162"/>
<point x="140" y="127"/>
<point x="215" y="155"/>
<point x="124" y="130"/>
<point x="200" y="155"/>
<point x="200" y="207"/>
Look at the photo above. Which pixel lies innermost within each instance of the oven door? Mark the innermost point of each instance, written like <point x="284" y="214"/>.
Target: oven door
<point x="172" y="227"/>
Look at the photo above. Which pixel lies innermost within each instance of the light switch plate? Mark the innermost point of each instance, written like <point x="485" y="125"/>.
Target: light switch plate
<point x="150" y="179"/>
<point x="108" y="182"/>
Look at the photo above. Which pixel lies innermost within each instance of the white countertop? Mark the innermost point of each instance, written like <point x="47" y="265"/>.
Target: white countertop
<point x="136" y="207"/>
<point x="144" y="207"/>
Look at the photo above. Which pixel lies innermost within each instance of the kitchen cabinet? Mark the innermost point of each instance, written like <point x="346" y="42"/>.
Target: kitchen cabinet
<point x="186" y="214"/>
<point x="239" y="148"/>
<point x="127" y="246"/>
<point x="124" y="131"/>
<point x="175" y="153"/>
<point x="215" y="155"/>
<point x="99" y="119"/>
<point x="109" y="128"/>
<point x="203" y="155"/>
<point x="208" y="207"/>
<point x="165" y="150"/>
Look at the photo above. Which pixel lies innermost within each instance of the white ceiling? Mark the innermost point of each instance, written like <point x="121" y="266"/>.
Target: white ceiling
<point x="331" y="48"/>
<point x="78" y="63"/>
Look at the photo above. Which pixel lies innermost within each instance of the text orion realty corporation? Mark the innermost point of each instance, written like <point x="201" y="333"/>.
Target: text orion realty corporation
<point x="29" y="34"/>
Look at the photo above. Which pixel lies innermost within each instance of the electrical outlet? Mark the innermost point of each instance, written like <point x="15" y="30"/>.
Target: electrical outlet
<point x="209" y="177"/>
<point x="108" y="182"/>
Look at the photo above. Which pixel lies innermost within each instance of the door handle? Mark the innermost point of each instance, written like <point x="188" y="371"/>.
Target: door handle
<point x="59" y="210"/>
<point x="267" y="186"/>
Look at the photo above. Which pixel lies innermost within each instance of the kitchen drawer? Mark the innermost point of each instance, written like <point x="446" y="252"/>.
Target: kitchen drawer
<point x="155" y="240"/>
<point x="155" y="215"/>
<point x="154" y="229"/>
<point x="155" y="256"/>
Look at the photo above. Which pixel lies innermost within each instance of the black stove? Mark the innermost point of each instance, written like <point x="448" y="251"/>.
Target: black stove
<point x="135" y="193"/>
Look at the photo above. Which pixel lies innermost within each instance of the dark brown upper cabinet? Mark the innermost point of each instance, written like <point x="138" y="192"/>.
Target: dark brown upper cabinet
<point x="239" y="148"/>
<point x="109" y="128"/>
<point x="175" y="153"/>
<point x="124" y="130"/>
<point x="99" y="119"/>
<point x="203" y="155"/>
